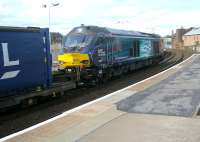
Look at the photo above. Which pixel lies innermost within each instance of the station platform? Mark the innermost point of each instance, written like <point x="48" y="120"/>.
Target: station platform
<point x="162" y="108"/>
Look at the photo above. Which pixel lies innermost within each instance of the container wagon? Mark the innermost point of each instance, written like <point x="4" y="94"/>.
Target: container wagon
<point x="96" y="53"/>
<point x="25" y="66"/>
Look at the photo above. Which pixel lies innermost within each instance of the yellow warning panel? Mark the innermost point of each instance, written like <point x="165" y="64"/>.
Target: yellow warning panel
<point x="70" y="60"/>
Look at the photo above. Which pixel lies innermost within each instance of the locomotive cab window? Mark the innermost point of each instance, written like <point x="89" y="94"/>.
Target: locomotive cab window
<point x="77" y="42"/>
<point x="100" y="41"/>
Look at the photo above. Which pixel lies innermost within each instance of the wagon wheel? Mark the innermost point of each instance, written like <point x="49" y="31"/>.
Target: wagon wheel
<point x="29" y="102"/>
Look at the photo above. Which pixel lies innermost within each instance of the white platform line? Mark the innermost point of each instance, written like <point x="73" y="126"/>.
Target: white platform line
<point x="87" y="104"/>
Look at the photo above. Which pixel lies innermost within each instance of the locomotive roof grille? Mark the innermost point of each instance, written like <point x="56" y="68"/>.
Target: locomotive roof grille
<point x="117" y="32"/>
<point x="126" y="33"/>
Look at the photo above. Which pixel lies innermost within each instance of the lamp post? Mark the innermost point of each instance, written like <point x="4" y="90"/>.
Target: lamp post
<point x="50" y="6"/>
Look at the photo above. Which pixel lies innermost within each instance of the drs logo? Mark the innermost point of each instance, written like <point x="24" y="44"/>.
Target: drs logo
<point x="8" y="63"/>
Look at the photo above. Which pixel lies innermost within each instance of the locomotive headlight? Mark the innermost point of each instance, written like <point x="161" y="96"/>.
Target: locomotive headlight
<point x="69" y="70"/>
<point x="100" y="71"/>
<point x="85" y="62"/>
<point x="61" y="62"/>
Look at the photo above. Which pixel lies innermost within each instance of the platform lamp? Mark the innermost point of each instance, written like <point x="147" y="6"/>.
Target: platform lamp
<point x="50" y="6"/>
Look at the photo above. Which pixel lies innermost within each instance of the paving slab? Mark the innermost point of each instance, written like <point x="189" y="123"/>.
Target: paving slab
<point x="146" y="128"/>
<point x="178" y="95"/>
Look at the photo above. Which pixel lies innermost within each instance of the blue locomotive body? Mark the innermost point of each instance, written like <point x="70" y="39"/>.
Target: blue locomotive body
<point x="25" y="60"/>
<point x="113" y="51"/>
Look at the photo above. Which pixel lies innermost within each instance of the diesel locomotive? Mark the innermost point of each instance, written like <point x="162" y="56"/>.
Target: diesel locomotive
<point x="94" y="53"/>
<point x="91" y="55"/>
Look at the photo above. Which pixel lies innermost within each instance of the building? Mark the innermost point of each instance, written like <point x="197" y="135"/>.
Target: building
<point x="56" y="37"/>
<point x="56" y="46"/>
<point x="177" y="38"/>
<point x="191" y="39"/>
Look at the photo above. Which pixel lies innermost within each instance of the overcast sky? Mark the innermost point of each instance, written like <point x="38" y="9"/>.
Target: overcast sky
<point x="158" y="16"/>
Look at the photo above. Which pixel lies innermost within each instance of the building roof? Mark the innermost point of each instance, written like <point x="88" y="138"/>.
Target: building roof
<point x="111" y="31"/>
<point x="194" y="31"/>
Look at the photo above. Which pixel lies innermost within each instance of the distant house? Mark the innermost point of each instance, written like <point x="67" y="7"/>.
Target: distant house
<point x="56" y="37"/>
<point x="191" y="39"/>
<point x="56" y="45"/>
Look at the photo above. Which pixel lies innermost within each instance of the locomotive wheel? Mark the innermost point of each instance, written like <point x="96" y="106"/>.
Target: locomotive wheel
<point x="107" y="76"/>
<point x="29" y="102"/>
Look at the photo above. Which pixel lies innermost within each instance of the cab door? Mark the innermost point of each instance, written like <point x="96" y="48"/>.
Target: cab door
<point x="99" y="56"/>
<point x="104" y="51"/>
<point x="109" y="50"/>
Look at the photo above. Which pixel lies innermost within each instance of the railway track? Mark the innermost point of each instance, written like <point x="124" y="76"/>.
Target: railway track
<point x="17" y="119"/>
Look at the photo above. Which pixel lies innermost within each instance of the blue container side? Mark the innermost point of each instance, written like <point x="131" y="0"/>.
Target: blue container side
<point x="48" y="56"/>
<point x="30" y="53"/>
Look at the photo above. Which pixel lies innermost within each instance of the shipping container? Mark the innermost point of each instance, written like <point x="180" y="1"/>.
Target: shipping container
<point x="25" y="59"/>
